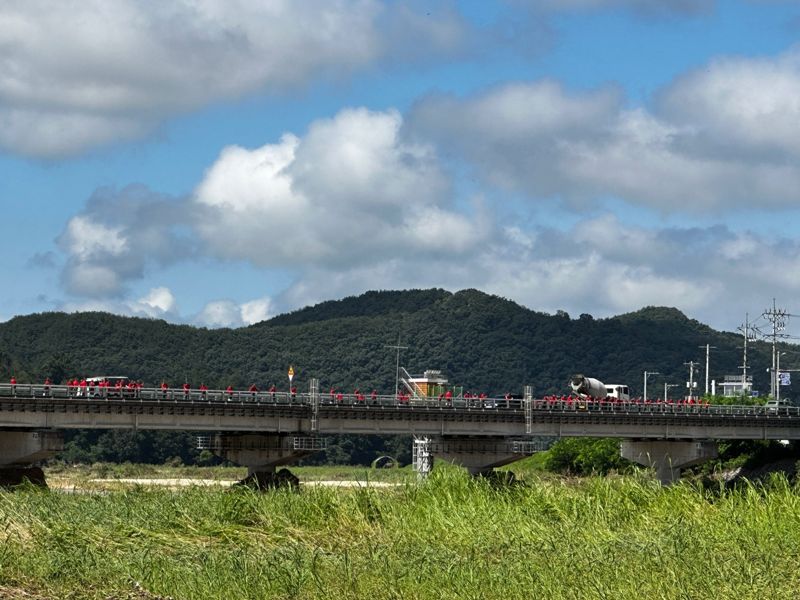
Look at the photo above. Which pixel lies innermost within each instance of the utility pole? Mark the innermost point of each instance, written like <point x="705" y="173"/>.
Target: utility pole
<point x="778" y="318"/>
<point x="646" y="374"/>
<point x="745" y="329"/>
<point x="691" y="364"/>
<point x="397" y="347"/>
<point x="666" y="388"/>
<point x="708" y="352"/>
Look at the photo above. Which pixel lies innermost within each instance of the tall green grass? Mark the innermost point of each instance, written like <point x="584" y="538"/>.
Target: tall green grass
<point x="452" y="537"/>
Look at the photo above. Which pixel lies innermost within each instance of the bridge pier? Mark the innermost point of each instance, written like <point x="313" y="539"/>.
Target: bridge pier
<point x="480" y="456"/>
<point x="668" y="457"/>
<point x="20" y="450"/>
<point x="262" y="454"/>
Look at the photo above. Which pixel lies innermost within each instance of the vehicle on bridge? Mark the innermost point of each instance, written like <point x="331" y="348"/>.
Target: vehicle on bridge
<point x="589" y="387"/>
<point x="774" y="405"/>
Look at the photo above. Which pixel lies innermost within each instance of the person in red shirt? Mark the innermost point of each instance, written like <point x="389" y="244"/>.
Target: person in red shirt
<point x="229" y="393"/>
<point x="374" y="396"/>
<point x="203" y="390"/>
<point x="13" y="386"/>
<point x="47" y="384"/>
<point x="272" y="391"/>
<point x="293" y="392"/>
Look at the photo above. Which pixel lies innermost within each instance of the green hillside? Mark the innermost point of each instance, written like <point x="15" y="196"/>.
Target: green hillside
<point x="483" y="342"/>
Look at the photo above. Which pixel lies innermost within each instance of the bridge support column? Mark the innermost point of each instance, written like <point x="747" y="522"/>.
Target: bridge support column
<point x="480" y="456"/>
<point x="667" y="457"/>
<point x="19" y="450"/>
<point x="262" y="454"/>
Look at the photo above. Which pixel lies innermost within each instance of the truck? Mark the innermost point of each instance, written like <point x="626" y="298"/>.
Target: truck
<point x="589" y="387"/>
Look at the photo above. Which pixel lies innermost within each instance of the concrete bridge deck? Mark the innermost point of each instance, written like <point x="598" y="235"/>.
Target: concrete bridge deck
<point x="30" y="407"/>
<point x="662" y="435"/>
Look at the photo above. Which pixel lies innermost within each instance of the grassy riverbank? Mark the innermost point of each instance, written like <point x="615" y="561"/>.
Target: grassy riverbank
<point x="449" y="538"/>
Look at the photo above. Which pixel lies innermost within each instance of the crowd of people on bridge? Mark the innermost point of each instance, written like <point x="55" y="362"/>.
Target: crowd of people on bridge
<point x="571" y="400"/>
<point x="123" y="387"/>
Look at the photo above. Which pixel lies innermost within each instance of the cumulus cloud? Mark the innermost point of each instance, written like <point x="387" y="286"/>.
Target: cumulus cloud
<point x="722" y="137"/>
<point x="160" y="303"/>
<point x="742" y="106"/>
<point x="117" y="235"/>
<point x="78" y="75"/>
<point x="350" y="191"/>
<point x="227" y="313"/>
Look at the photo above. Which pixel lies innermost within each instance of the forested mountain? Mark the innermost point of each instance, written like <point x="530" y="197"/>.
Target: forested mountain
<point x="483" y="342"/>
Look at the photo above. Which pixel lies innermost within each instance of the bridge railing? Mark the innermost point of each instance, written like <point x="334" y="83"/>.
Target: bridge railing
<point x="22" y="391"/>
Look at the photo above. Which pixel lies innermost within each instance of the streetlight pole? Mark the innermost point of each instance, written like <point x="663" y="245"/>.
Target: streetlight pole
<point x="666" y="388"/>
<point x="646" y="374"/>
<point x="397" y="347"/>
<point x="708" y="348"/>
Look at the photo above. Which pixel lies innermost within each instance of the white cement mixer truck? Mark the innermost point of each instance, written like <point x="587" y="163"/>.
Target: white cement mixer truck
<point x="594" y="388"/>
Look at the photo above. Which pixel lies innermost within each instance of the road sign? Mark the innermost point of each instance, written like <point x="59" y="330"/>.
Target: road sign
<point x="291" y="373"/>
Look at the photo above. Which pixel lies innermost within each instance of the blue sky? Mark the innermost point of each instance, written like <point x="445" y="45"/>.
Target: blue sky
<point x="217" y="163"/>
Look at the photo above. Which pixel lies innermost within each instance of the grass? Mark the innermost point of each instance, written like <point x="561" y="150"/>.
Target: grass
<point x="452" y="537"/>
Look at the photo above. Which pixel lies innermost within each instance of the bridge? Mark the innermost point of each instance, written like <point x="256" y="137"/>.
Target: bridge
<point x="265" y="430"/>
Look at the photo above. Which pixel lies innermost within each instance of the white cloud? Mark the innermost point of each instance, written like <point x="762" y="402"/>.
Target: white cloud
<point x="350" y="191"/>
<point x="117" y="235"/>
<point x="227" y="313"/>
<point x="160" y="303"/>
<point x="84" y="239"/>
<point x="740" y="105"/>
<point x="73" y="76"/>
<point x="220" y="313"/>
<point x="157" y="301"/>
<point x="256" y="311"/>
<point x="721" y="138"/>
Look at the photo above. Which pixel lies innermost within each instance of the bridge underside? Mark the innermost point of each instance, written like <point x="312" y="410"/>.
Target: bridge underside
<point x="479" y="456"/>
<point x="19" y="450"/>
<point x="667" y="458"/>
